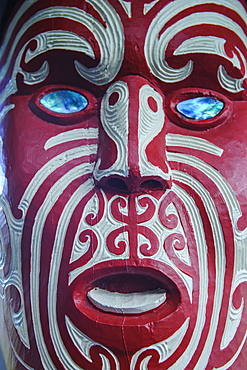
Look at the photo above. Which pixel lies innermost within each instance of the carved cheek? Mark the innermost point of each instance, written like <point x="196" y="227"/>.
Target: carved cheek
<point x="34" y="146"/>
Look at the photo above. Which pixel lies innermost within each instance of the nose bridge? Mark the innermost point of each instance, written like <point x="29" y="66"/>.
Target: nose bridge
<point x="132" y="116"/>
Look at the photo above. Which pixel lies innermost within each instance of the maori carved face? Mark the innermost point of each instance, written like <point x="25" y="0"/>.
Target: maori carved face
<point x="123" y="224"/>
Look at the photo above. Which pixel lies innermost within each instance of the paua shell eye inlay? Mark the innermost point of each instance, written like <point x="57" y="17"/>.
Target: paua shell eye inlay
<point x="200" y="108"/>
<point x="64" y="102"/>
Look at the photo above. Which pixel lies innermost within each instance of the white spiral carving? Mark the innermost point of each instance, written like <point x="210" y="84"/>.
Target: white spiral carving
<point x="115" y="122"/>
<point x="156" y="44"/>
<point x="150" y="125"/>
<point x="111" y="44"/>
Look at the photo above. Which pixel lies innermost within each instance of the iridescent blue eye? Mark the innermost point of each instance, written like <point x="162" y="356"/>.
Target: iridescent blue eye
<point x="64" y="102"/>
<point x="200" y="108"/>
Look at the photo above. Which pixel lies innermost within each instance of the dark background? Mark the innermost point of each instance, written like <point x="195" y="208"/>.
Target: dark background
<point x="5" y="10"/>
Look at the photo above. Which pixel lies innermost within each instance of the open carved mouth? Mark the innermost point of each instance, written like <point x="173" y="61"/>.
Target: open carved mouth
<point x="117" y="301"/>
<point x="132" y="292"/>
<point x="127" y="294"/>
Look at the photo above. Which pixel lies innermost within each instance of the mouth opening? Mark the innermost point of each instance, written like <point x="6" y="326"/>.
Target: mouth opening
<point x="127" y="294"/>
<point x="140" y="293"/>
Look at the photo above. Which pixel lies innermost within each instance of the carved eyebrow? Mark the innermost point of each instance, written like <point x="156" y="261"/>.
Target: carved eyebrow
<point x="156" y="43"/>
<point x="110" y="39"/>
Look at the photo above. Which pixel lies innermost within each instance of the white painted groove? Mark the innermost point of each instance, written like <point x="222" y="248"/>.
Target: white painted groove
<point x="148" y="7"/>
<point x="193" y="142"/>
<point x="105" y="362"/>
<point x="111" y="44"/>
<point x="234" y="316"/>
<point x="59" y="39"/>
<point x="80" y="340"/>
<point x="30" y="78"/>
<point x="216" y="177"/>
<point x="103" y="228"/>
<point x="115" y="122"/>
<point x="127" y="6"/>
<point x="4" y="239"/>
<point x="220" y="260"/>
<point x="240" y="276"/>
<point x="157" y="45"/>
<point x="52" y="12"/>
<point x="216" y="46"/>
<point x="55" y="191"/>
<point x="240" y="265"/>
<point x="197" y="225"/>
<point x="211" y="44"/>
<point x="144" y="363"/>
<point x="150" y="124"/>
<point x="33" y="78"/>
<point x="85" y="267"/>
<point x="20" y="359"/>
<point x="160" y="68"/>
<point x="233" y="359"/>
<point x="113" y="35"/>
<point x="11" y="85"/>
<point x="165" y="348"/>
<point x="72" y="135"/>
<point x="84" y="343"/>
<point x="52" y="165"/>
<point x="9" y="89"/>
<point x="229" y="83"/>
<point x="14" y="276"/>
<point x="155" y="225"/>
<point x="155" y="49"/>
<point x="109" y="41"/>
<point x="56" y="258"/>
<point x="79" y="247"/>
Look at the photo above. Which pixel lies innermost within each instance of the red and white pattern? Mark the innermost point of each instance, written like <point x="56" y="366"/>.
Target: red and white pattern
<point x="129" y="190"/>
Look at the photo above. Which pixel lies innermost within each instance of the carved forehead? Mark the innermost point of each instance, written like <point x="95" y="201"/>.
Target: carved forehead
<point x="190" y="17"/>
<point x="173" y="43"/>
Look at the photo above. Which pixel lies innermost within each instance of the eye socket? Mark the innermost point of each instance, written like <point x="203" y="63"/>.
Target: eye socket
<point x="200" y="108"/>
<point x="64" y="102"/>
<point x="197" y="108"/>
<point x="63" y="105"/>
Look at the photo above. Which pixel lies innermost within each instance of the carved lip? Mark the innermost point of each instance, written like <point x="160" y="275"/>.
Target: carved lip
<point x="157" y="289"/>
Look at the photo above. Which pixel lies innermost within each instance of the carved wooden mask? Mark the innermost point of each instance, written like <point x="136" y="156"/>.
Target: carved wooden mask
<point x="123" y="222"/>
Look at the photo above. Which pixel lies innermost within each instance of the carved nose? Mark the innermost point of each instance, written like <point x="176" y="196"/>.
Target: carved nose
<point x="133" y="184"/>
<point x="131" y="154"/>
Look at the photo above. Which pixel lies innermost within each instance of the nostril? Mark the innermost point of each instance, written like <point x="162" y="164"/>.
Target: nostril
<point x="151" y="185"/>
<point x="132" y="185"/>
<point x="117" y="185"/>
